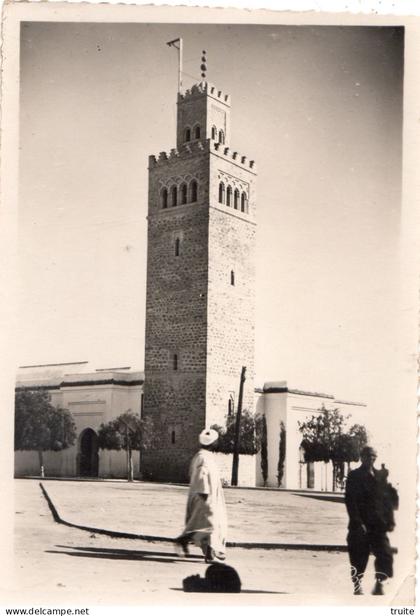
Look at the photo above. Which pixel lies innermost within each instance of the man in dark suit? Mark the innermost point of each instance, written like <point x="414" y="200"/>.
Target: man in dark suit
<point x="370" y="502"/>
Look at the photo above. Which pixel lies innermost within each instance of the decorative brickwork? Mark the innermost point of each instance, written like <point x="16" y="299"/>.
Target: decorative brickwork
<point x="200" y="284"/>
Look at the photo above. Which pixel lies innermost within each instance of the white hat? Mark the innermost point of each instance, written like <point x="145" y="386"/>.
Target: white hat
<point x="208" y="436"/>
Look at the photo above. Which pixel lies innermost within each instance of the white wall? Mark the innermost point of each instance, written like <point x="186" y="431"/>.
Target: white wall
<point x="124" y="399"/>
<point x="275" y="409"/>
<point x="292" y="408"/>
<point x="56" y="463"/>
<point x="90" y="406"/>
<point x="113" y="464"/>
<point x="246" y="471"/>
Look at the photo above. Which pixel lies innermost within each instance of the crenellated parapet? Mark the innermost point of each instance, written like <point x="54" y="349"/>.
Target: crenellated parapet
<point x="199" y="146"/>
<point x="185" y="151"/>
<point x="233" y="155"/>
<point x="204" y="87"/>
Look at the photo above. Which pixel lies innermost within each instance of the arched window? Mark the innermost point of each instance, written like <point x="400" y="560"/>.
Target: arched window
<point x="243" y="202"/>
<point x="193" y="191"/>
<point x="164" y="198"/>
<point x="221" y="136"/>
<point x="174" y="196"/>
<point x="236" y="199"/>
<point x="229" y="196"/>
<point x="214" y="133"/>
<point x="188" y="134"/>
<point x="232" y="278"/>
<point x="177" y="246"/>
<point x="221" y="192"/>
<point x="183" y="194"/>
<point x="173" y="437"/>
<point x="175" y="362"/>
<point x="197" y="132"/>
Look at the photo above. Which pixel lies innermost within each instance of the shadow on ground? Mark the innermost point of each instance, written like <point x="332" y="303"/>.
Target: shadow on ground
<point x="327" y="497"/>
<point x="121" y="554"/>
<point x="250" y="592"/>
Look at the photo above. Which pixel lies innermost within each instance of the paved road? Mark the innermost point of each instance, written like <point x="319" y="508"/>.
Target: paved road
<point x="55" y="564"/>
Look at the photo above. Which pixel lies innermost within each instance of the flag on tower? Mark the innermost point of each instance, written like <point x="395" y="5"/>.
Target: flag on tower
<point x="175" y="43"/>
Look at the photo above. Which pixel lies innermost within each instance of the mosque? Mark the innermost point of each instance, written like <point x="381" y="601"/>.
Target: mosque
<point x="200" y="323"/>
<point x="97" y="396"/>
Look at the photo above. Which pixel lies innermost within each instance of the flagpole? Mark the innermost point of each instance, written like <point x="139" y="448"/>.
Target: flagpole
<point x="180" y="66"/>
<point x="177" y="43"/>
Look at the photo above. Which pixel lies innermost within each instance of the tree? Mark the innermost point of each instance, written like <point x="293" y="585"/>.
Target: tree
<point x="348" y="448"/>
<point x="127" y="432"/>
<point x="320" y="433"/>
<point x="248" y="438"/>
<point x="39" y="426"/>
<point x="264" y="455"/>
<point x="282" y="454"/>
<point x="325" y="438"/>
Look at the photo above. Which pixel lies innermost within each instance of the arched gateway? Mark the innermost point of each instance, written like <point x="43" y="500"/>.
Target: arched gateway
<point x="88" y="457"/>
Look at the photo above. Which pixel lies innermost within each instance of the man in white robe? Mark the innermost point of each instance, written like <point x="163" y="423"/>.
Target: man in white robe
<point x="205" y="520"/>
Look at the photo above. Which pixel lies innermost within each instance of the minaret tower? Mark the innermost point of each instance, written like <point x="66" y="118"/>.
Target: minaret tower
<point x="200" y="281"/>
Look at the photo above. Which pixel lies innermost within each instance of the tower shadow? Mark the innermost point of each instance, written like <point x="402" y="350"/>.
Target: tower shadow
<point x="121" y="554"/>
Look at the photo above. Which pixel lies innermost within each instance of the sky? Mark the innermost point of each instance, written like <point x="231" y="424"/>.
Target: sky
<point x="318" y="108"/>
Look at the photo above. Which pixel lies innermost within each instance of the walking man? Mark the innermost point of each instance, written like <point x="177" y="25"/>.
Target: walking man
<point x="370" y="502"/>
<point x="206" y="522"/>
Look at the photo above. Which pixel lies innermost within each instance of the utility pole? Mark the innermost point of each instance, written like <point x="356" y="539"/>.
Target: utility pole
<point x="235" y="462"/>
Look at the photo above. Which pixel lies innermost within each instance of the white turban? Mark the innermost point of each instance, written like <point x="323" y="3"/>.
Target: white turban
<point x="207" y="437"/>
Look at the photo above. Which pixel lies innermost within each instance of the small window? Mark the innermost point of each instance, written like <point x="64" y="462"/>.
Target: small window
<point x="174" y="196"/>
<point x="177" y="246"/>
<point x="173" y="437"/>
<point x="221" y="136"/>
<point x="221" y="192"/>
<point x="214" y="133"/>
<point x="183" y="194"/>
<point x="243" y="202"/>
<point x="197" y="132"/>
<point x="194" y="191"/>
<point x="229" y="196"/>
<point x="175" y="362"/>
<point x="232" y="278"/>
<point x="187" y="134"/>
<point x="231" y="409"/>
<point x="236" y="199"/>
<point x="164" y="197"/>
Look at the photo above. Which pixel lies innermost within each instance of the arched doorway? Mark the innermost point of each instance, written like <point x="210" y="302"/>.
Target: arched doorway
<point x="88" y="458"/>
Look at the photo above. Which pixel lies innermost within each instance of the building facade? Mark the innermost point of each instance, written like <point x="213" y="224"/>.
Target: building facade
<point x="200" y="325"/>
<point x="287" y="407"/>
<point x="97" y="396"/>
<point x="93" y="397"/>
<point x="200" y="281"/>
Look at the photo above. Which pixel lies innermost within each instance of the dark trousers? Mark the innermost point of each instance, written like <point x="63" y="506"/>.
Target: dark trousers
<point x="361" y="544"/>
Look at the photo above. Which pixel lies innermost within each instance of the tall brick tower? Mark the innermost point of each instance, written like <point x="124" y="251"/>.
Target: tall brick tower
<point x="200" y="282"/>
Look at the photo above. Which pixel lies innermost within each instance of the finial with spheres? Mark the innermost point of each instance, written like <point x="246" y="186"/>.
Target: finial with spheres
<point x="203" y="66"/>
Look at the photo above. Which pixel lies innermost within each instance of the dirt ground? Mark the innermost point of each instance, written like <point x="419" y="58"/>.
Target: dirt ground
<point x="55" y="564"/>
